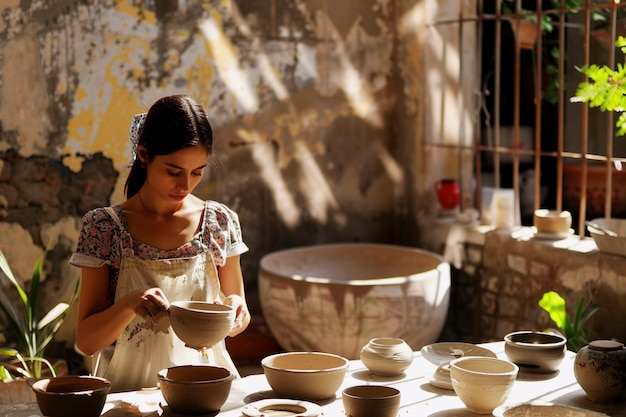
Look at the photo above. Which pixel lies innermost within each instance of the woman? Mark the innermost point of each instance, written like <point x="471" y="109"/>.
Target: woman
<point x="162" y="244"/>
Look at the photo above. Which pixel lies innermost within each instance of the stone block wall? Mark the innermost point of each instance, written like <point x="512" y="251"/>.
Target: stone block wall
<point x="502" y="276"/>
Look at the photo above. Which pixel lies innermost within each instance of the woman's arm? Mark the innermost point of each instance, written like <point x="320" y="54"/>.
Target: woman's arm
<point x="231" y="282"/>
<point x="99" y="327"/>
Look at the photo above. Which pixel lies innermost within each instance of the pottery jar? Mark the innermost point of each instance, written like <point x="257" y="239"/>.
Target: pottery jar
<point x="600" y="369"/>
<point x="448" y="193"/>
<point x="387" y="356"/>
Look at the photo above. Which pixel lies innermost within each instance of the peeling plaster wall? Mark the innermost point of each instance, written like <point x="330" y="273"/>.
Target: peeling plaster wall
<point x="317" y="108"/>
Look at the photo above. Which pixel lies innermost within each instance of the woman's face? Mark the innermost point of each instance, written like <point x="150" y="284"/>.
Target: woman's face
<point x="173" y="177"/>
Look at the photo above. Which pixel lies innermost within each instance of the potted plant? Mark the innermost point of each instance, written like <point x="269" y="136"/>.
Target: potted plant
<point x="32" y="333"/>
<point x="573" y="330"/>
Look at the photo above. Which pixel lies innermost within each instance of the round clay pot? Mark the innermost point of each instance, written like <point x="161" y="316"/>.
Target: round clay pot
<point x="600" y="369"/>
<point x="71" y="395"/>
<point x="535" y="352"/>
<point x="387" y="356"/>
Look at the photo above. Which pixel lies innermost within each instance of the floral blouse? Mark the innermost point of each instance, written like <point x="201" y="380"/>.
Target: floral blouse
<point x="100" y="241"/>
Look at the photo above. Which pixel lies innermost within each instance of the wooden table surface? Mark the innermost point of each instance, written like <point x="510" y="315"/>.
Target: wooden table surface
<point x="418" y="396"/>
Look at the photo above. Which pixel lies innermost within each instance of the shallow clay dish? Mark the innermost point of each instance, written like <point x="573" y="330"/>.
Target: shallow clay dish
<point x="195" y="389"/>
<point x="201" y="324"/>
<point x="71" y="395"/>
<point x="544" y="410"/>
<point x="445" y="352"/>
<point x="305" y="375"/>
<point x="535" y="352"/>
<point x="281" y="407"/>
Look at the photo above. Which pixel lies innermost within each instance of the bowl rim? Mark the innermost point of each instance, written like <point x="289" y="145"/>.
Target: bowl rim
<point x="454" y="364"/>
<point x="185" y="305"/>
<point x="266" y="362"/>
<point x="560" y="340"/>
<point x="544" y="213"/>
<point x="36" y="385"/>
<point x="393" y="392"/>
<point x="161" y="374"/>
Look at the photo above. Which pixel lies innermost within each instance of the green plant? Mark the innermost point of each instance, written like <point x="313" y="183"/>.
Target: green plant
<point x="552" y="57"/>
<point x="605" y="88"/>
<point x="574" y="331"/>
<point x="33" y="335"/>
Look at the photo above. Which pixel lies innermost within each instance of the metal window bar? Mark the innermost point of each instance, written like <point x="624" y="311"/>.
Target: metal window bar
<point x="560" y="155"/>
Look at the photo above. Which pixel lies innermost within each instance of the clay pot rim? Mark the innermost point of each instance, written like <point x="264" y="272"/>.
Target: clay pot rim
<point x="558" y="340"/>
<point x="456" y="364"/>
<point x="393" y="392"/>
<point x="161" y="375"/>
<point x="38" y="385"/>
<point x="267" y="362"/>
<point x="220" y="309"/>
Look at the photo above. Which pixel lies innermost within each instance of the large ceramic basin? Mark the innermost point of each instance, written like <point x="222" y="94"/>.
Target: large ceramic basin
<point x="335" y="298"/>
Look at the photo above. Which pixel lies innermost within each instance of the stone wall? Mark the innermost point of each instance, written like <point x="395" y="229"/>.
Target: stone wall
<point x="502" y="276"/>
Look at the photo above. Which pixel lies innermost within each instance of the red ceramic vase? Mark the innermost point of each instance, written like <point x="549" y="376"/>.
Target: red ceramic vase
<point x="448" y="193"/>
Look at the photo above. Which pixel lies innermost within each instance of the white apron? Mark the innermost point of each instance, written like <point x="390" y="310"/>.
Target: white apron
<point x="141" y="351"/>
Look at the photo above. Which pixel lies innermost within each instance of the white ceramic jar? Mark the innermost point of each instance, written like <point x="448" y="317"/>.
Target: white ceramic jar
<point x="387" y="356"/>
<point x="600" y="369"/>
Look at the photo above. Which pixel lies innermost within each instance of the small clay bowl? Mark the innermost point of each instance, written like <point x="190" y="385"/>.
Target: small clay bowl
<point x="552" y="221"/>
<point x="201" y="324"/>
<point x="195" y="389"/>
<point x="71" y="395"/>
<point x="371" y="401"/>
<point x="535" y="352"/>
<point x="305" y="375"/>
<point x="482" y="383"/>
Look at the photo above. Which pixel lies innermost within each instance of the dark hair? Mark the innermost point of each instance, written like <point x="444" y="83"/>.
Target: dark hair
<point x="172" y="123"/>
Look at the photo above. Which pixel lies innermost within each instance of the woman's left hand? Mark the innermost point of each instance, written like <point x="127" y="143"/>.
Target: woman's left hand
<point x="242" y="315"/>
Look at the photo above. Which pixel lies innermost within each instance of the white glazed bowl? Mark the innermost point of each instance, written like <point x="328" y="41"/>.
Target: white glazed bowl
<point x="536" y="352"/>
<point x="201" y="324"/>
<point x="305" y="375"/>
<point x="615" y="245"/>
<point x="482" y="383"/>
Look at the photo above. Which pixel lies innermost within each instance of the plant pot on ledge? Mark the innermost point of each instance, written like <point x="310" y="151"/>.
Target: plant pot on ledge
<point x="596" y="190"/>
<point x="526" y="33"/>
<point x="16" y="391"/>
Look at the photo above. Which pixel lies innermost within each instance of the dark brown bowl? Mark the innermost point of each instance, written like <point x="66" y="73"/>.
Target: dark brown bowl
<point x="71" y="395"/>
<point x="535" y="352"/>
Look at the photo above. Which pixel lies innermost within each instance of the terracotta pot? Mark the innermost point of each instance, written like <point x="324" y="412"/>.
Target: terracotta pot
<point x="600" y="369"/>
<point x="371" y="401"/>
<point x="448" y="193"/>
<point x="596" y="190"/>
<point x="525" y="33"/>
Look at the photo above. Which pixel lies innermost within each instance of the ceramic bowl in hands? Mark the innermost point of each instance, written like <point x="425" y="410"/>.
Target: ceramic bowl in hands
<point x="482" y="383"/>
<point x="371" y="401"/>
<point x="305" y="375"/>
<point x="195" y="389"/>
<point x="71" y="395"/>
<point x="201" y="324"/>
<point x="536" y="352"/>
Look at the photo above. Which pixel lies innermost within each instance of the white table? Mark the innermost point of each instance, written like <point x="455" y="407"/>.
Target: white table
<point x="419" y="397"/>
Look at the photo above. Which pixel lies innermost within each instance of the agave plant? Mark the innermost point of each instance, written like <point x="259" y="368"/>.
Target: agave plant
<point x="33" y="335"/>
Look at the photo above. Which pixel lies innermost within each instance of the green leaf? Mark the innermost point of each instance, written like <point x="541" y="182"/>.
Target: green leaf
<point x="554" y="304"/>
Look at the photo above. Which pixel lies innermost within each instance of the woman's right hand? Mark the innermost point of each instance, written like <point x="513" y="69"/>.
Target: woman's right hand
<point x="151" y="304"/>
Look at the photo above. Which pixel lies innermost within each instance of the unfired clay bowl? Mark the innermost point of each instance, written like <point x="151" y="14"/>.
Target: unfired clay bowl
<point x="387" y="356"/>
<point x="536" y="409"/>
<point x="552" y="221"/>
<point x="535" y="352"/>
<point x="195" y="389"/>
<point x="482" y="383"/>
<point x="305" y="375"/>
<point x="71" y="395"/>
<point x="201" y="324"/>
<point x="371" y="401"/>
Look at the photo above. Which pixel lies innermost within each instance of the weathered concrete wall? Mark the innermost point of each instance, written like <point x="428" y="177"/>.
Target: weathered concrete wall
<point x="320" y="111"/>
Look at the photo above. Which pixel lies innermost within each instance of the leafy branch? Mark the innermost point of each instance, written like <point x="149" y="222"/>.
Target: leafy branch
<point x="605" y="88"/>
